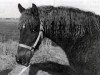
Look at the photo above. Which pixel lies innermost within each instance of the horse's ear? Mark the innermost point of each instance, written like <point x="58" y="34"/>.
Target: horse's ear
<point x="21" y="9"/>
<point x="34" y="10"/>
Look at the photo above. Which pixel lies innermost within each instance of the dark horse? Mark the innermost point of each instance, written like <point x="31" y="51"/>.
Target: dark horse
<point x="77" y="32"/>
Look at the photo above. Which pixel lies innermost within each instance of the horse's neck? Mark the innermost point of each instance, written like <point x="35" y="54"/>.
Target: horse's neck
<point x="49" y="33"/>
<point x="52" y="34"/>
<point x="56" y="36"/>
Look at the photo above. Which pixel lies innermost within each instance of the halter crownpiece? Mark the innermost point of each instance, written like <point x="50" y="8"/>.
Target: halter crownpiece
<point x="37" y="40"/>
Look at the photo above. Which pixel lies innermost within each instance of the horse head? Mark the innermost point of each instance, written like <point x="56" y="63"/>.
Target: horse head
<point x="30" y="33"/>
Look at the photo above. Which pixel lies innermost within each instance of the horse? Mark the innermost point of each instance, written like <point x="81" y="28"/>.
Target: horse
<point x="76" y="31"/>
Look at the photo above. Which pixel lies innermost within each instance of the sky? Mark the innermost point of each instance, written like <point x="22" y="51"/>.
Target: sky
<point x="9" y="8"/>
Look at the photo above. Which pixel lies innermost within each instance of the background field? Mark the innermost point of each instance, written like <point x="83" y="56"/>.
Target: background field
<point x="9" y="36"/>
<point x="8" y="29"/>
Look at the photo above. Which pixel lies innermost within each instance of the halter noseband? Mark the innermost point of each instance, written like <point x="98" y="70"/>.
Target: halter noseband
<point x="31" y="48"/>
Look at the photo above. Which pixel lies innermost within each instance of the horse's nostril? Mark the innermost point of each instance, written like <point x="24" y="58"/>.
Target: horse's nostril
<point x="17" y="59"/>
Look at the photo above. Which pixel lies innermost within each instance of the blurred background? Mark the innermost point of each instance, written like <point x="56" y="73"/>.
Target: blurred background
<point x="8" y="8"/>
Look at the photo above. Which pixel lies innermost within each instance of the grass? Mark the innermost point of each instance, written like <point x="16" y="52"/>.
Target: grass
<point x="8" y="43"/>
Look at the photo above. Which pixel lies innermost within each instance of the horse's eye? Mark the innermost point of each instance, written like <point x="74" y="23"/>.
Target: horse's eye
<point x="33" y="30"/>
<point x="23" y="26"/>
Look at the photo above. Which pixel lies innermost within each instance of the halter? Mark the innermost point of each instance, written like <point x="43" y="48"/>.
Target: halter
<point x="31" y="48"/>
<point x="34" y="45"/>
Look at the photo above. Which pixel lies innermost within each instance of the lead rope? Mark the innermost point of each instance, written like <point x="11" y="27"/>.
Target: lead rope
<point x="32" y="48"/>
<point x="24" y="69"/>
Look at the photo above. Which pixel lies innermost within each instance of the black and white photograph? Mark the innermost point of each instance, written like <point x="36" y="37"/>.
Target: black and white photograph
<point x="49" y="37"/>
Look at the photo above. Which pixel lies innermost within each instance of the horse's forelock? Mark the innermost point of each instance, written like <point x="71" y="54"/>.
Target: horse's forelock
<point x="28" y="11"/>
<point x="26" y="17"/>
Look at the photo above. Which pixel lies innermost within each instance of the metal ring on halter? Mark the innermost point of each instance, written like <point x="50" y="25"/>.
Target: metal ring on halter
<point x="32" y="49"/>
